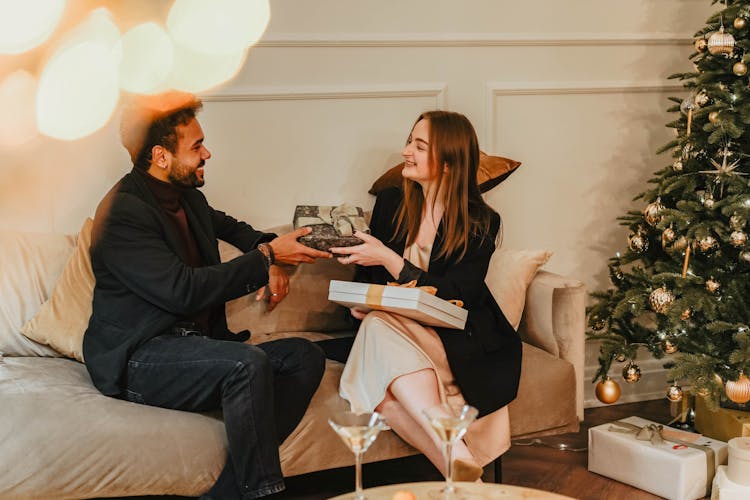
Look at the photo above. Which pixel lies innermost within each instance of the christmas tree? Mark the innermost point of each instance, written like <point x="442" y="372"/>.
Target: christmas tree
<point x="682" y="286"/>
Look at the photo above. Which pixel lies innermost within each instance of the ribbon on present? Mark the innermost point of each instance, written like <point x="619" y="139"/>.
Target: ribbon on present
<point x="374" y="295"/>
<point x="654" y="433"/>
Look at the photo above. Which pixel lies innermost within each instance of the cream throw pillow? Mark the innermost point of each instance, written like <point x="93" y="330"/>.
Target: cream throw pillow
<point x="63" y="319"/>
<point x="509" y="275"/>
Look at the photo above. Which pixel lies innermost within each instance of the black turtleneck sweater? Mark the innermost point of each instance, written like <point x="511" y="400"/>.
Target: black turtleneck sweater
<point x="169" y="197"/>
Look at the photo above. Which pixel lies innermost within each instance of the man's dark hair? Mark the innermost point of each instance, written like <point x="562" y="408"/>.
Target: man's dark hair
<point x="163" y="132"/>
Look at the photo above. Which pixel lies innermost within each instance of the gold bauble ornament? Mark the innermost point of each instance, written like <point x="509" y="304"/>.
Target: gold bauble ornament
<point x="660" y="300"/>
<point x="631" y="373"/>
<point x="669" y="347"/>
<point x="652" y="212"/>
<point x="674" y="393"/>
<point x="739" y="23"/>
<point x="707" y="243"/>
<point x="713" y="117"/>
<point x="721" y="43"/>
<point x="701" y="44"/>
<point x="677" y="166"/>
<point x="712" y="285"/>
<point x="607" y="391"/>
<point x="739" y="68"/>
<point x="738" y="390"/>
<point x="637" y="242"/>
<point x="738" y="238"/>
<point x="685" y="314"/>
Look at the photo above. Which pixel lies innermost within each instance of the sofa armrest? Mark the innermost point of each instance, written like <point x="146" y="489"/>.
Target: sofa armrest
<point x="554" y="319"/>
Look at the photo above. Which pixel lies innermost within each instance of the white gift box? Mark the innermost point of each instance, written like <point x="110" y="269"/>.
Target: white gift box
<point x="413" y="303"/>
<point x="679" y="468"/>
<point x="725" y="489"/>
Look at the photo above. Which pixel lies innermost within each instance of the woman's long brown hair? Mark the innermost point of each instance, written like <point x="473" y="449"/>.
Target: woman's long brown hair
<point x="453" y="144"/>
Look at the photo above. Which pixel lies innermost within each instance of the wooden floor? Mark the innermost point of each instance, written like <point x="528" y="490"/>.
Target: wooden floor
<point x="548" y="469"/>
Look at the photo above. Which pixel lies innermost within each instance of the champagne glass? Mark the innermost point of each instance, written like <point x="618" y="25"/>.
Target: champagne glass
<point x="450" y="423"/>
<point x="358" y="431"/>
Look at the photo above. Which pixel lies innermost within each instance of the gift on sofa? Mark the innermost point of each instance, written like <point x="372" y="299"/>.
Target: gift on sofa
<point x="332" y="226"/>
<point x="667" y="462"/>
<point x="412" y="302"/>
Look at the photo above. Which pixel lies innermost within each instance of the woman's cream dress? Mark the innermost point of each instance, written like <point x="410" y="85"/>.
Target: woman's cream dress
<point x="388" y="346"/>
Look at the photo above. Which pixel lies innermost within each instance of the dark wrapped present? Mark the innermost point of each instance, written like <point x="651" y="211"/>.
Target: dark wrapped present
<point x="332" y="226"/>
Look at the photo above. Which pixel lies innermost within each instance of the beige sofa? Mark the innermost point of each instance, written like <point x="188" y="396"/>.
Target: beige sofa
<point x="60" y="438"/>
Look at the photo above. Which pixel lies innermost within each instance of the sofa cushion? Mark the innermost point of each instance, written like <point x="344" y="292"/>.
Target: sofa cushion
<point x="509" y="275"/>
<point x="492" y="171"/>
<point x="30" y="264"/>
<point x="306" y="308"/>
<point x="62" y="320"/>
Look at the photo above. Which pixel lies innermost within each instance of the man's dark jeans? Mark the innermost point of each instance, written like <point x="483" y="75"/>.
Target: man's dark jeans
<point x="263" y="391"/>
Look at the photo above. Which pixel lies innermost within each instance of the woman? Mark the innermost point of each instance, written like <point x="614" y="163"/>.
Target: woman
<point x="436" y="230"/>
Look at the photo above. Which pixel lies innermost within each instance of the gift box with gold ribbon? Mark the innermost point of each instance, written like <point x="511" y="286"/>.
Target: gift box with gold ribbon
<point x="668" y="462"/>
<point x="417" y="303"/>
<point x="722" y="424"/>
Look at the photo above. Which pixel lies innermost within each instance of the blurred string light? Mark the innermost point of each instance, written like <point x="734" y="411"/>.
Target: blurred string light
<point x="205" y="44"/>
<point x="28" y="23"/>
<point x="79" y="88"/>
<point x="17" y="120"/>
<point x="147" y="59"/>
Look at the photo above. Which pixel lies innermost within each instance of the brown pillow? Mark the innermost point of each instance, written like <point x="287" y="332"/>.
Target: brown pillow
<point x="492" y="171"/>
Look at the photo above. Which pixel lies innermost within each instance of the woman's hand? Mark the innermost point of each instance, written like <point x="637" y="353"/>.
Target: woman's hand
<point x="358" y="313"/>
<point x="277" y="288"/>
<point x="372" y="252"/>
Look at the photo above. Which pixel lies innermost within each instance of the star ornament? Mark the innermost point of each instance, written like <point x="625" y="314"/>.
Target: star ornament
<point x="723" y="170"/>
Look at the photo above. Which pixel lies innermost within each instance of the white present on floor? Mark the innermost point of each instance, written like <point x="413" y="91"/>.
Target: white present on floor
<point x="726" y="489"/>
<point x="413" y="302"/>
<point x="673" y="464"/>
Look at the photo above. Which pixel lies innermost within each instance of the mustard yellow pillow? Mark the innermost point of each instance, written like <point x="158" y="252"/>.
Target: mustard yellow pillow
<point x="509" y="275"/>
<point x="62" y="320"/>
<point x="492" y="171"/>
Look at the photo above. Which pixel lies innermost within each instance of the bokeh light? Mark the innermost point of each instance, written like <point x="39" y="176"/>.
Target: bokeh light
<point x="196" y="71"/>
<point x="18" y="120"/>
<point x="79" y="87"/>
<point x="219" y="26"/>
<point x="26" y="24"/>
<point x="147" y="59"/>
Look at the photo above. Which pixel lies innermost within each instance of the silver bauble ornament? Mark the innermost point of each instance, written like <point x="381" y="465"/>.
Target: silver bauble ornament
<point x="660" y="300"/>
<point x="738" y="238"/>
<point x="721" y="43"/>
<point x="637" y="242"/>
<point x="707" y="243"/>
<point x="674" y="393"/>
<point x="709" y="203"/>
<point x="631" y="373"/>
<point x="652" y="212"/>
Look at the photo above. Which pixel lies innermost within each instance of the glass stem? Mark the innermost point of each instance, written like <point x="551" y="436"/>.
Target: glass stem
<point x="448" y="451"/>
<point x="358" y="495"/>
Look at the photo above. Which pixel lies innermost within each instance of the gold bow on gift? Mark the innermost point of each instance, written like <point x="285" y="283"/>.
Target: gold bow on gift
<point x="426" y="288"/>
<point x="654" y="433"/>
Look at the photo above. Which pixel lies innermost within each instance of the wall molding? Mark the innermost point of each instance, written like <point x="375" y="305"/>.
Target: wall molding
<point x="499" y="89"/>
<point x="296" y="93"/>
<point x="354" y="40"/>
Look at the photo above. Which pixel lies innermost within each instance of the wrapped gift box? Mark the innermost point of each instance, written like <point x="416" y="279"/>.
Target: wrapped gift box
<point x="724" y="489"/>
<point x="679" y="468"/>
<point x="722" y="424"/>
<point x="331" y="226"/>
<point x="413" y="303"/>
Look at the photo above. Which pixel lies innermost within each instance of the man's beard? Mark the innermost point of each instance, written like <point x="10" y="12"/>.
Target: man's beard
<point x="181" y="176"/>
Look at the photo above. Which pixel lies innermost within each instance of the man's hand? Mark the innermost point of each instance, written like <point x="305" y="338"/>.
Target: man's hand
<point x="278" y="287"/>
<point x="287" y="250"/>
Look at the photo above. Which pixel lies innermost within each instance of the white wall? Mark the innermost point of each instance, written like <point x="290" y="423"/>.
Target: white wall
<point x="575" y="89"/>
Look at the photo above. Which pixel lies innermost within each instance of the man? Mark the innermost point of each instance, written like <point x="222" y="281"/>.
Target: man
<point x="158" y="333"/>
